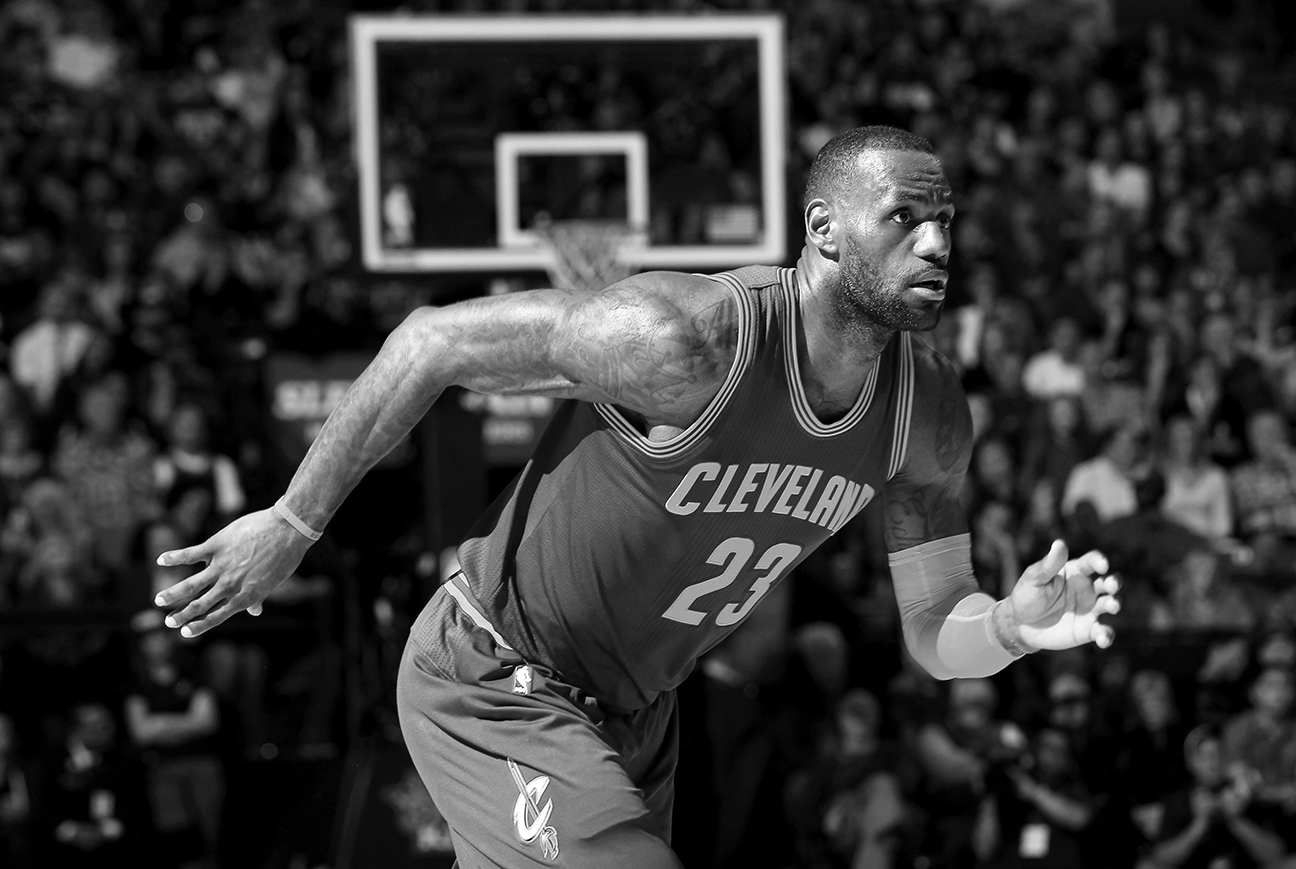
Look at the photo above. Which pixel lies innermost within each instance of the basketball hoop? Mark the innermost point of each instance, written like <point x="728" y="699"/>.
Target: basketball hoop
<point x="588" y="254"/>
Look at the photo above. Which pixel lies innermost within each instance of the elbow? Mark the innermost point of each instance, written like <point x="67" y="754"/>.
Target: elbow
<point x="418" y="327"/>
<point x="415" y="346"/>
<point x="924" y="653"/>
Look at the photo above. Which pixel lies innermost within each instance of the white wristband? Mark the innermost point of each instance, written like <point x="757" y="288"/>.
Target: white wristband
<point x="292" y="519"/>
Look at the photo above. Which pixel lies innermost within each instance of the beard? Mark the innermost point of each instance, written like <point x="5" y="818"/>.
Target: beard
<point x="867" y="303"/>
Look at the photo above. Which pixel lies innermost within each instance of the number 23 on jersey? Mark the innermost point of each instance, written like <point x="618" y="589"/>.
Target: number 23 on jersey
<point x="733" y="556"/>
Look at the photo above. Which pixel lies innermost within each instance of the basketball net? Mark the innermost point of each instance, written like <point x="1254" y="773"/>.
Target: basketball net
<point x="587" y="254"/>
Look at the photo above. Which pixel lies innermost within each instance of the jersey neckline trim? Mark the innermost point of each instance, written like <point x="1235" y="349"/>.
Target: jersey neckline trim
<point x="685" y="440"/>
<point x="800" y="403"/>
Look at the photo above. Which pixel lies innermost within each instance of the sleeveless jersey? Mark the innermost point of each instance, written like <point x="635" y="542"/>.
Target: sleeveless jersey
<point x="617" y="561"/>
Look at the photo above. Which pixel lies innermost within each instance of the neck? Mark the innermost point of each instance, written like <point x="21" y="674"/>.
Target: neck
<point x="835" y="355"/>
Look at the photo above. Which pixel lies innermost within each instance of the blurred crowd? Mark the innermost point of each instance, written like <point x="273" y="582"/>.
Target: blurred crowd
<point x="177" y="202"/>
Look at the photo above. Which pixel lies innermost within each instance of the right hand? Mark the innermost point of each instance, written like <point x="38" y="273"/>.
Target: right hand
<point x="245" y="561"/>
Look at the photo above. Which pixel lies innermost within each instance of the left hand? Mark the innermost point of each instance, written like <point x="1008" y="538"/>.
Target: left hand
<point x="1056" y="602"/>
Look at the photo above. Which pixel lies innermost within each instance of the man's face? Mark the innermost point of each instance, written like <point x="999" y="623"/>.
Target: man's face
<point x="1266" y="434"/>
<point x="1206" y="764"/>
<point x="1272" y="692"/>
<point x="895" y="240"/>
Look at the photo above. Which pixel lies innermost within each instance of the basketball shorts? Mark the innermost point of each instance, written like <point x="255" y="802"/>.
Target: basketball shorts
<point x="527" y="770"/>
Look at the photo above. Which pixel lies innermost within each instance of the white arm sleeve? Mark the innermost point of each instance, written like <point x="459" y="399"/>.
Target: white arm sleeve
<point x="948" y="623"/>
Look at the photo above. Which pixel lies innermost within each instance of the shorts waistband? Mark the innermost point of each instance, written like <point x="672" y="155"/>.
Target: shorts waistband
<point x="457" y="587"/>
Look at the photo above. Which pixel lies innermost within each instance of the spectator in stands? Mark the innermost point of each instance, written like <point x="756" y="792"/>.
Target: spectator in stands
<point x="955" y="755"/>
<point x="1042" y="521"/>
<point x="1104" y="486"/>
<point x="1241" y="376"/>
<point x="16" y="816"/>
<point x="993" y="474"/>
<point x="199" y="487"/>
<point x="1071" y="710"/>
<point x="1197" y="492"/>
<point x="846" y="807"/>
<point x="173" y="720"/>
<point x="995" y="553"/>
<point x="1057" y="370"/>
<point x="1043" y="808"/>
<point x="1110" y="398"/>
<point x="983" y="288"/>
<point x="1220" y="416"/>
<point x="1213" y="821"/>
<point x="1151" y="763"/>
<point x="97" y="810"/>
<point x="47" y="511"/>
<point x="1277" y="645"/>
<point x="53" y="346"/>
<point x="1203" y="595"/>
<point x="1260" y="743"/>
<point x="1057" y="441"/>
<point x="1122" y="182"/>
<point x="20" y="462"/>
<point x="1264" y="491"/>
<point x="109" y="471"/>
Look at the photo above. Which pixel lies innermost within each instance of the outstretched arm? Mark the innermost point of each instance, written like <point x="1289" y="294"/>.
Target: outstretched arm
<point x="950" y="627"/>
<point x="657" y="345"/>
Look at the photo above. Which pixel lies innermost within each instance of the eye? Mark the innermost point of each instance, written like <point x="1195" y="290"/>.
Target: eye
<point x="945" y="221"/>
<point x="903" y="217"/>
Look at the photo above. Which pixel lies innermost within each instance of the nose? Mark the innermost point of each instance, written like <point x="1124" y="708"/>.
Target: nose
<point x="933" y="243"/>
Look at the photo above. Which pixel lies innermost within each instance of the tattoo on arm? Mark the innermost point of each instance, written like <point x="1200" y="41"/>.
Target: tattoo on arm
<point x="916" y="514"/>
<point x="659" y="362"/>
<point x="951" y="437"/>
<point x="922" y="501"/>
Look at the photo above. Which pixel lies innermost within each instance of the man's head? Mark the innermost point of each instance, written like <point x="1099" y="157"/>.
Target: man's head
<point x="1273" y="692"/>
<point x="1203" y="752"/>
<point x="878" y="210"/>
<point x="972" y="703"/>
<point x="1266" y="434"/>
<point x="1070" y="704"/>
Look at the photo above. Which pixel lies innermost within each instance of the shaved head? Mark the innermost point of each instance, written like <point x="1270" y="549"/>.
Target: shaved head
<point x="838" y="163"/>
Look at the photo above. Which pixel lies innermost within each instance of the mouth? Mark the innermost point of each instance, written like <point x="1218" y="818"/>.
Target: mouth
<point x="933" y="289"/>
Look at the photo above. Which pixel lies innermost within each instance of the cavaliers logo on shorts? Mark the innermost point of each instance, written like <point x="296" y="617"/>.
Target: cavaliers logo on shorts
<point x="530" y="820"/>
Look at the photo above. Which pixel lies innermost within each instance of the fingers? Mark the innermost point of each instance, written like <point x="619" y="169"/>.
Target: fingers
<point x="1102" y="635"/>
<point x="185" y="590"/>
<point x="1106" y="585"/>
<point x="196" y="609"/>
<point x="190" y="555"/>
<point x="1106" y="605"/>
<point x="1092" y="563"/>
<point x="210" y="620"/>
<point x="1042" y="571"/>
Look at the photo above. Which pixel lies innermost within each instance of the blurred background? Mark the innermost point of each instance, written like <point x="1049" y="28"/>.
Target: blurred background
<point x="186" y="191"/>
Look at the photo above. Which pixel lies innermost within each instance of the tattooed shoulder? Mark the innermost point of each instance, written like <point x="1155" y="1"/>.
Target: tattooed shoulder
<point x="659" y="344"/>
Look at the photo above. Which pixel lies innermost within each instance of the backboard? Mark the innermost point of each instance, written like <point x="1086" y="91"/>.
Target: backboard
<point x="471" y="129"/>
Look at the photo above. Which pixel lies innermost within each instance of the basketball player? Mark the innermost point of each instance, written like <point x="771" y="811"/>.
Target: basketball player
<point x="725" y="426"/>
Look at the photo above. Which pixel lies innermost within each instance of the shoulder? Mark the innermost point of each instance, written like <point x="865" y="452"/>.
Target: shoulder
<point x="691" y="304"/>
<point x="688" y="323"/>
<point x="933" y="372"/>
<point x="658" y="344"/>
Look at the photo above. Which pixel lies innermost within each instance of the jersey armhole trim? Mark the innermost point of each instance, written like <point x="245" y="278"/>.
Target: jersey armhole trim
<point x="904" y="406"/>
<point x="686" y="439"/>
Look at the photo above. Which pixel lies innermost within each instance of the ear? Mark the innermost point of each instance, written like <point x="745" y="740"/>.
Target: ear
<point x="819" y="227"/>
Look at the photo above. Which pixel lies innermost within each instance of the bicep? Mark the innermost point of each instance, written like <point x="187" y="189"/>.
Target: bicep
<point x="921" y="503"/>
<point x="646" y="343"/>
